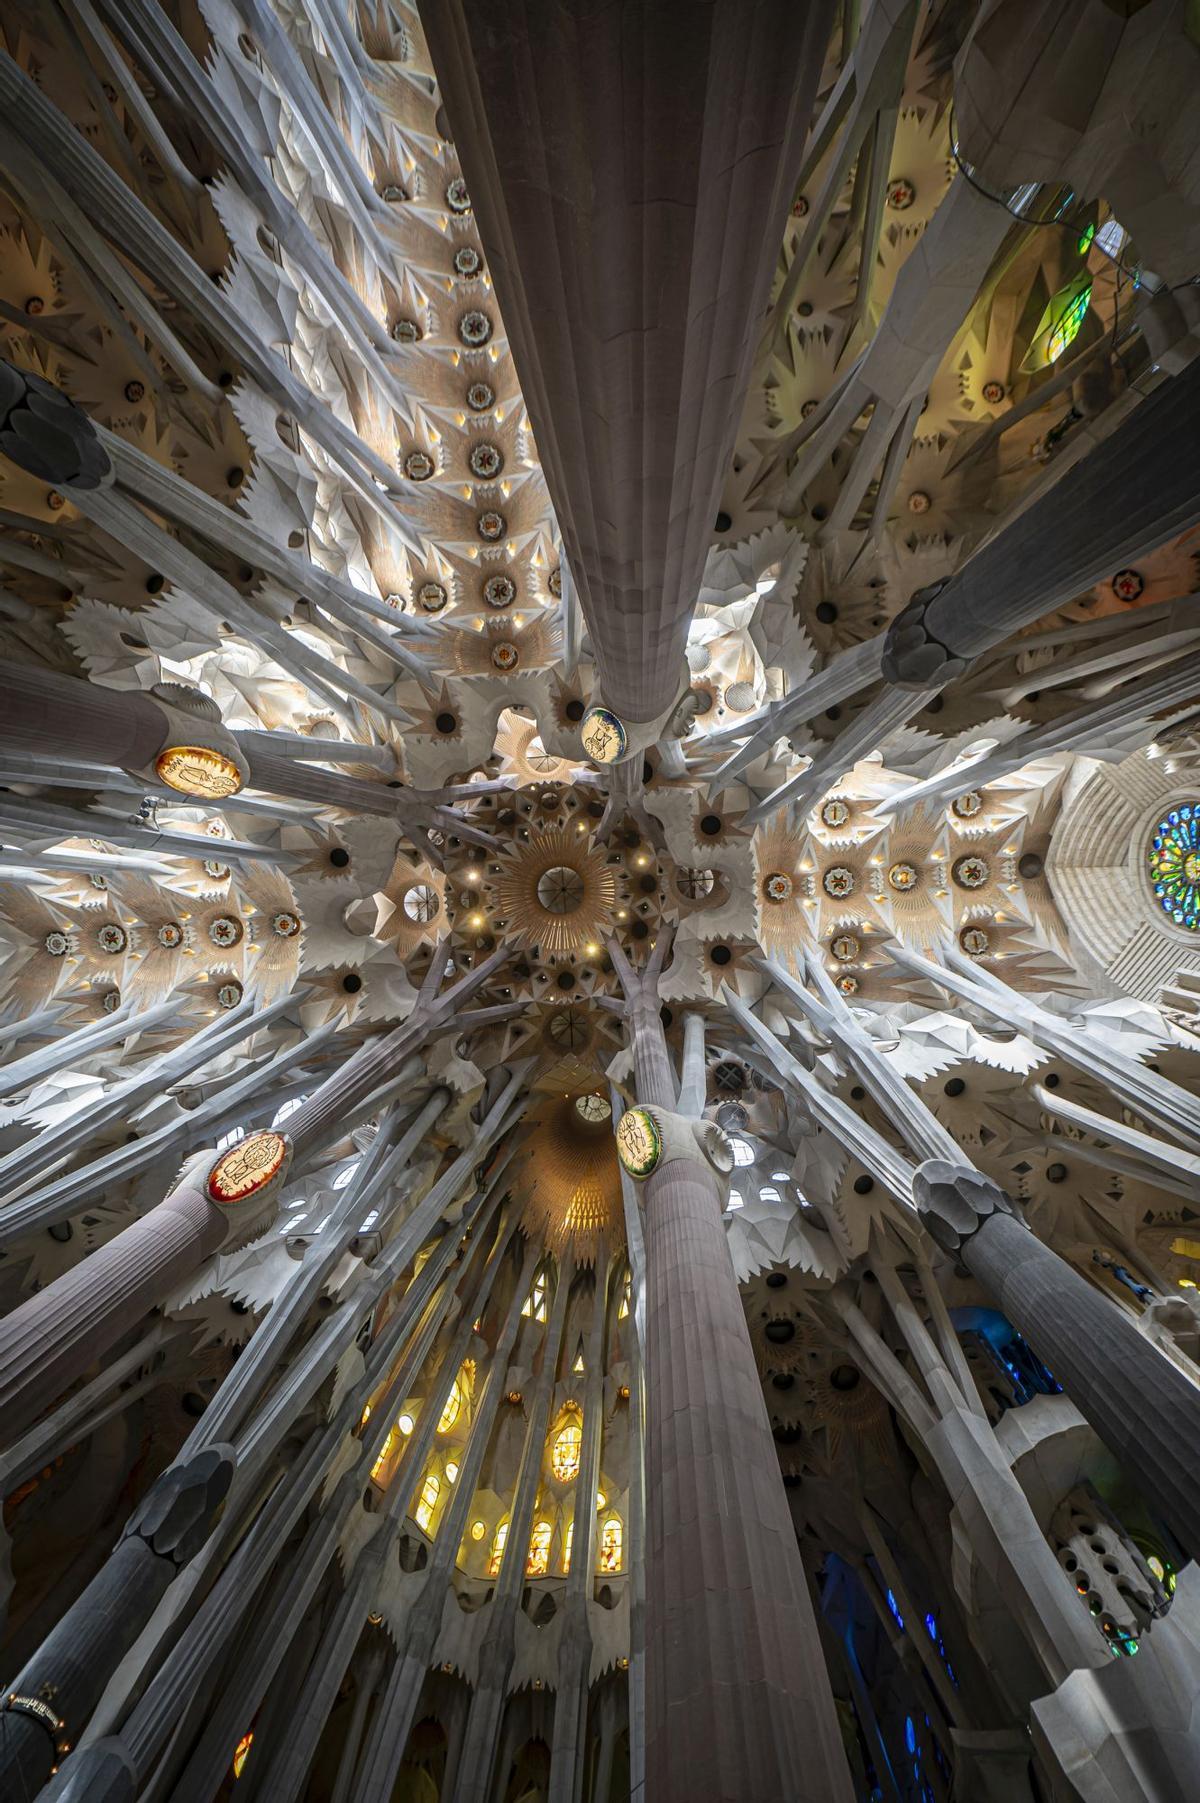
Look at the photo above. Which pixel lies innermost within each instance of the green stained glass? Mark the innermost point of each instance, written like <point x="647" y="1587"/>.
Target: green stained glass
<point x="1174" y="863"/>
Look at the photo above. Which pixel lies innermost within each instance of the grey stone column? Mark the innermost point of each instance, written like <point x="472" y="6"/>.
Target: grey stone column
<point x="1141" y="1404"/>
<point x="53" y="1337"/>
<point x="56" y="716"/>
<point x="50" y="1700"/>
<point x="738" y="1703"/>
<point x="631" y="167"/>
<point x="1135" y="490"/>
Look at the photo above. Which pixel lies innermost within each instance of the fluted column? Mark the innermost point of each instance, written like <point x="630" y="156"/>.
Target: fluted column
<point x="50" y="1700"/>
<point x="631" y="167"/>
<point x="1142" y="1405"/>
<point x="738" y="1703"/>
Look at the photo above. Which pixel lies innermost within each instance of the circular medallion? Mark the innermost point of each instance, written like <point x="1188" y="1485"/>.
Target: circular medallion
<point x="639" y="1142"/>
<point x="499" y="591"/>
<point x="838" y="882"/>
<point x="485" y="460"/>
<point x="918" y="501"/>
<point x="560" y="890"/>
<point x="474" y="329"/>
<point x="505" y="655"/>
<point x="1128" y="585"/>
<point x="225" y="931"/>
<point x="170" y="935"/>
<point x="431" y="597"/>
<point x="778" y="887"/>
<point x="903" y="877"/>
<point x="111" y="1001"/>
<point x="970" y="872"/>
<point x="418" y="466"/>
<point x="901" y="194"/>
<point x="1174" y="863"/>
<point x="247" y="1167"/>
<point x="974" y="941"/>
<point x="593" y="1108"/>
<point x="967" y="805"/>
<point x="198" y="770"/>
<point x="844" y="948"/>
<point x="481" y="396"/>
<point x="217" y="871"/>
<point x="229" y="995"/>
<point x="993" y="393"/>
<point x="285" y="924"/>
<point x="406" y="331"/>
<point x="491" y="525"/>
<point x="467" y="261"/>
<point x="457" y="198"/>
<point x="834" y="812"/>
<point x="603" y="735"/>
<point x="57" y="944"/>
<point x="421" y="903"/>
<point x="112" y="938"/>
<point x="847" y="984"/>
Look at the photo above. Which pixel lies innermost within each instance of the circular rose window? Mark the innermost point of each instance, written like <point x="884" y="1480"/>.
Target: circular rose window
<point x="1174" y="860"/>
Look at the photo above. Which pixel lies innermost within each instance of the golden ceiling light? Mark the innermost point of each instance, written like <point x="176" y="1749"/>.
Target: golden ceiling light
<point x="557" y="891"/>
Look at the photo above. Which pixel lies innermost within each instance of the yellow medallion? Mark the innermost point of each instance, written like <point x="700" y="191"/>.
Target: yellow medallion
<point x="198" y="770"/>
<point x="247" y="1167"/>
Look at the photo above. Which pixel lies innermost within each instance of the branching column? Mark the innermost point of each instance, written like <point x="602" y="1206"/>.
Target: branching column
<point x="1142" y="1406"/>
<point x="738" y="1704"/>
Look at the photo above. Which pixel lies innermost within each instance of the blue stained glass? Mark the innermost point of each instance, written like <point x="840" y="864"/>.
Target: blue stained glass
<point x="910" y="1734"/>
<point x="1173" y="859"/>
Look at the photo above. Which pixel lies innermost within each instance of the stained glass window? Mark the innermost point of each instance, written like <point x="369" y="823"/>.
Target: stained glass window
<point x="1174" y="858"/>
<point x="611" y="1543"/>
<point x="566" y="1559"/>
<point x="538" y="1563"/>
<point x="428" y="1502"/>
<point x="564" y="1456"/>
<point x="497" y="1550"/>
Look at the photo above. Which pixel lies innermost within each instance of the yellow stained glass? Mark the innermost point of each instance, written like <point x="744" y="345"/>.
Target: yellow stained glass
<point x="567" y="1543"/>
<point x="564" y="1456"/>
<point x="430" y="1490"/>
<point x="453" y="1408"/>
<point x="497" y="1550"/>
<point x="241" y="1753"/>
<point x="385" y="1453"/>
<point x="611" y="1543"/>
<point x="538" y="1562"/>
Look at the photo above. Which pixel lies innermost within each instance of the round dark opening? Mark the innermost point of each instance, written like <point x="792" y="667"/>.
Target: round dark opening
<point x="710" y="826"/>
<point x="780" y="1332"/>
<point x="61" y="1231"/>
<point x="339" y="857"/>
<point x="936" y="705"/>
<point x="834" y="712"/>
<point x="595" y="809"/>
<point x="1055" y="1173"/>
<point x="863" y="1185"/>
<point x="352" y="984"/>
<point x="857" y="1093"/>
<point x="639" y="930"/>
<point x="845" y="1377"/>
<point x="820" y="512"/>
<point x="193" y="1403"/>
<point x="826" y="612"/>
<point x="776" y="1279"/>
<point x="783" y="1380"/>
<point x="445" y="723"/>
<point x="720" y="954"/>
<point x="954" y="1086"/>
<point x="566" y="979"/>
<point x="574" y="710"/>
<point x="723" y="522"/>
<point x="665" y="1016"/>
<point x="647" y="770"/>
<point x="1052" y="1080"/>
<point x="1030" y="866"/>
<point x="155" y="583"/>
<point x="648" y="884"/>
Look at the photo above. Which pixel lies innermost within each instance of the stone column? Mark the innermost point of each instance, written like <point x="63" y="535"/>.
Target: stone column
<point x="738" y="1703"/>
<point x="50" y="1700"/>
<point x="1142" y="1405"/>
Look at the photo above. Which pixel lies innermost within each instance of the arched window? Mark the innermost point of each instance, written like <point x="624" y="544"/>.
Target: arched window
<point x="428" y="1502"/>
<point x="452" y="1409"/>
<point x="535" y="1302"/>
<point x="538" y="1562"/>
<point x="568" y="1442"/>
<point x="567" y="1543"/>
<point x="497" y="1552"/>
<point x="385" y="1453"/>
<point x="611" y="1543"/>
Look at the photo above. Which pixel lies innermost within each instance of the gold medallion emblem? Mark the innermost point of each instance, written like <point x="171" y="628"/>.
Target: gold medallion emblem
<point x="247" y="1167"/>
<point x="603" y="735"/>
<point x="198" y="770"/>
<point x="639" y="1142"/>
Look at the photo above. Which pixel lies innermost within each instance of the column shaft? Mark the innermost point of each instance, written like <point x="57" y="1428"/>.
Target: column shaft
<point x="1142" y="1406"/>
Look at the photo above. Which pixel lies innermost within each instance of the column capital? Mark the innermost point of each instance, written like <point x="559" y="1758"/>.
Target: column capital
<point x="46" y="434"/>
<point x="912" y="656"/>
<point x="175" y="1515"/>
<point x="954" y="1201"/>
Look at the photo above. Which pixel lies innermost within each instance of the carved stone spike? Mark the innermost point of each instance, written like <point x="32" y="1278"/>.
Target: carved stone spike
<point x="912" y="657"/>
<point x="954" y="1201"/>
<point x="176" y="1513"/>
<point x="48" y="435"/>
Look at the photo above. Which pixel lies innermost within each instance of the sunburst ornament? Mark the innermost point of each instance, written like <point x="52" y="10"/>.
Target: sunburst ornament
<point x="557" y="891"/>
<point x="573" y="1182"/>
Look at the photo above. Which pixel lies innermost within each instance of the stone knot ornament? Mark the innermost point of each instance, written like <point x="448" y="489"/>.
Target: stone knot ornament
<point x="649" y="1137"/>
<point x="954" y="1200"/>
<point x="912" y="656"/>
<point x="43" y="432"/>
<point x="175" y="1515"/>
